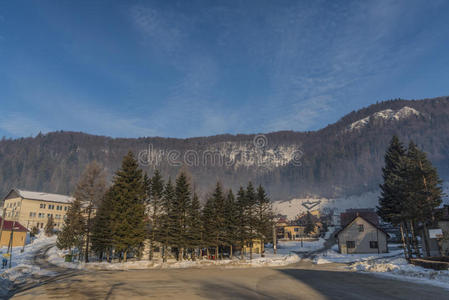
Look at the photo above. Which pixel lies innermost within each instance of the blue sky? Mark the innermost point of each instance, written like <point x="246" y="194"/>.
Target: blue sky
<point x="196" y="68"/>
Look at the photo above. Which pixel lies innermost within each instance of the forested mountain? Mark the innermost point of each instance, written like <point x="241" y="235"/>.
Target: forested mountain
<point x="341" y="159"/>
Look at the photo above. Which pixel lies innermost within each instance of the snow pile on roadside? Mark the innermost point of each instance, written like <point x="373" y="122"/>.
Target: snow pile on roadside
<point x="22" y="262"/>
<point x="333" y="256"/>
<point x="56" y="256"/>
<point x="399" y="268"/>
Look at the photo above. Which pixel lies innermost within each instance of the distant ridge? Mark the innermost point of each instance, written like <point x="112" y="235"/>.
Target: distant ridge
<point x="331" y="162"/>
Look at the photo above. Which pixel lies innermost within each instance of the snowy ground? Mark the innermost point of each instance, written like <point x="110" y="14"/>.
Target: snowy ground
<point x="285" y="247"/>
<point x="22" y="263"/>
<point x="390" y="264"/>
<point x="398" y="268"/>
<point x="333" y="256"/>
<point x="56" y="257"/>
<point x="285" y="255"/>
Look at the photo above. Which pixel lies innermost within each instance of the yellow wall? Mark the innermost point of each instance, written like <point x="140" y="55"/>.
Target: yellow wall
<point x="19" y="238"/>
<point x="293" y="232"/>
<point x="32" y="213"/>
<point x="257" y="247"/>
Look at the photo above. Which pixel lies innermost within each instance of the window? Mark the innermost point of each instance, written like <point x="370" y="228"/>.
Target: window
<point x="361" y="228"/>
<point x="373" y="244"/>
<point x="65" y="208"/>
<point x="298" y="236"/>
<point x="51" y="206"/>
<point x="156" y="249"/>
<point x="32" y="214"/>
<point x="42" y="205"/>
<point x="296" y="229"/>
<point x="350" y="244"/>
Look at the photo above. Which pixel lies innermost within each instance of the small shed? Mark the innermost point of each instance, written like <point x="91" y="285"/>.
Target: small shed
<point x="19" y="233"/>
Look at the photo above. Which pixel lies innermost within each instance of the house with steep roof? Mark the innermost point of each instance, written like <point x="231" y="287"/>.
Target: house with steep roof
<point x="32" y="209"/>
<point x="361" y="235"/>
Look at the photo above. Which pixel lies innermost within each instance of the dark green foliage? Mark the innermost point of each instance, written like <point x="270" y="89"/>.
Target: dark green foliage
<point x="231" y="220"/>
<point x="410" y="193"/>
<point x="393" y="189"/>
<point x="102" y="229"/>
<point x="423" y="186"/>
<point x="264" y="216"/>
<point x="180" y="209"/>
<point x="154" y="190"/>
<point x="167" y="218"/>
<point x="242" y="221"/>
<point x="128" y="202"/>
<point x="72" y="233"/>
<point x="194" y="224"/>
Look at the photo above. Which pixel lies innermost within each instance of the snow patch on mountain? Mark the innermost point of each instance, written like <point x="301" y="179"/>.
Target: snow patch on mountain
<point x="294" y="207"/>
<point x="387" y="114"/>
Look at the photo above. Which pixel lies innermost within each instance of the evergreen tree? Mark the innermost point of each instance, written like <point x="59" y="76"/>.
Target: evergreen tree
<point x="264" y="217"/>
<point x="72" y="233"/>
<point x="424" y="190"/>
<point x="167" y="219"/>
<point x="194" y="225"/>
<point x="231" y="221"/>
<point x="50" y="226"/>
<point x="181" y="205"/>
<point x="208" y="220"/>
<point x="218" y="222"/>
<point x="128" y="215"/>
<point x="394" y="190"/>
<point x="155" y="191"/>
<point x="251" y="219"/>
<point x="242" y="221"/>
<point x="102" y="229"/>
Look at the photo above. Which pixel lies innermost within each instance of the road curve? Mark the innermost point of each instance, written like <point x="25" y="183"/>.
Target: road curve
<point x="52" y="273"/>
<point x="300" y="281"/>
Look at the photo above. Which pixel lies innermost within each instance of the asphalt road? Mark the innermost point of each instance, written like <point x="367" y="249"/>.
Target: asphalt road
<point x="301" y="281"/>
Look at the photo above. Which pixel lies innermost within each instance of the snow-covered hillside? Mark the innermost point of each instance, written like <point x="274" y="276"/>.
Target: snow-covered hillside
<point x="292" y="208"/>
<point x="387" y="114"/>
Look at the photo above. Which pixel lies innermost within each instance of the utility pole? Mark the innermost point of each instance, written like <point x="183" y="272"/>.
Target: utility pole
<point x="275" y="246"/>
<point x="10" y="242"/>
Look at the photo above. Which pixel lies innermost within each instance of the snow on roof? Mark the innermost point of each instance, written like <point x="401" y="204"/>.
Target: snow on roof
<point x="45" y="196"/>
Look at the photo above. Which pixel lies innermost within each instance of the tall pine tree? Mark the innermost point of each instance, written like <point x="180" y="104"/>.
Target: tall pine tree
<point x="394" y="189"/>
<point x="264" y="218"/>
<point x="155" y="194"/>
<point x="128" y="216"/>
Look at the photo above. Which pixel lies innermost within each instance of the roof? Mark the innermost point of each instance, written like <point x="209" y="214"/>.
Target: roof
<point x="375" y="226"/>
<point x="7" y="225"/>
<point x="42" y="196"/>
<point x="367" y="214"/>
